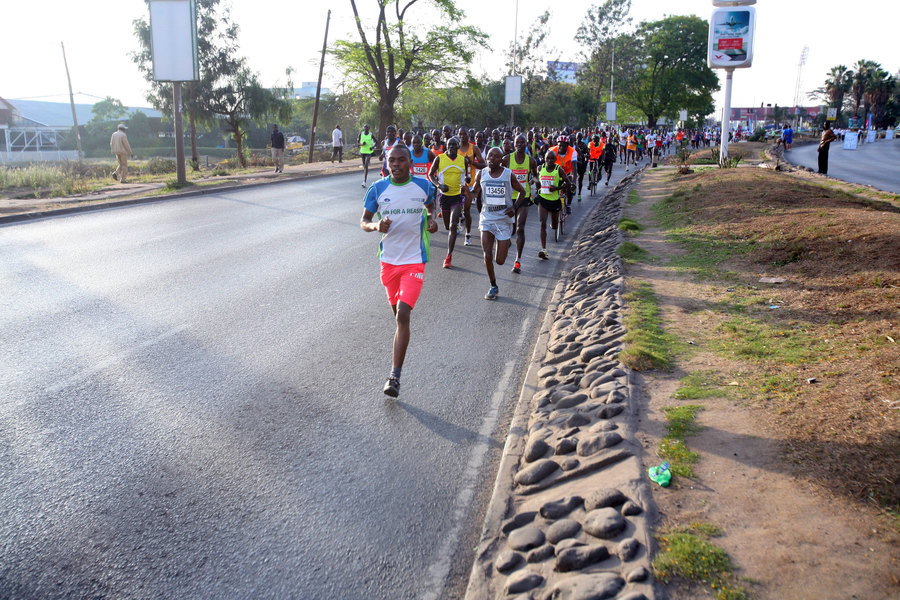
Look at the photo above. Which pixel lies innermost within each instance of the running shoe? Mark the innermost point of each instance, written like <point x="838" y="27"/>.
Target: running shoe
<point x="363" y="184"/>
<point x="579" y="197"/>
<point x="627" y="169"/>
<point x="392" y="387"/>
<point x="468" y="239"/>
<point x="115" y="175"/>
<point x="460" y="228"/>
<point x="447" y="264"/>
<point x="492" y="293"/>
<point x="607" y="183"/>
<point x="543" y="254"/>
<point x="517" y="268"/>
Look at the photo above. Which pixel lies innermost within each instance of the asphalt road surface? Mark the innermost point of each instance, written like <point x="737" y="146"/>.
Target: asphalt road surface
<point x="876" y="164"/>
<point x="191" y="401"/>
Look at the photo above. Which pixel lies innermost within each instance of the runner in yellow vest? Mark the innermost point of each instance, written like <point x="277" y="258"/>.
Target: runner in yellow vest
<point x="476" y="162"/>
<point x="524" y="167"/>
<point x="448" y="174"/>
<point x="552" y="179"/>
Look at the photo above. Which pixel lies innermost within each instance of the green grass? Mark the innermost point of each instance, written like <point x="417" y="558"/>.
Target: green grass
<point x="748" y="338"/>
<point x="681" y="424"/>
<point x="700" y="384"/>
<point x="631" y="252"/>
<point x="688" y="555"/>
<point x="630" y="225"/>
<point x="633" y="197"/>
<point x="647" y="345"/>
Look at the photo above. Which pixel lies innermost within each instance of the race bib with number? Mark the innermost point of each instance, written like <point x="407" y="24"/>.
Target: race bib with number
<point x="547" y="181"/>
<point x="495" y="195"/>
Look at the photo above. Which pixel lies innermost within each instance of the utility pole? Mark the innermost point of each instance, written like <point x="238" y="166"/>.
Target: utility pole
<point x="312" y="135"/>
<point x="180" y="174"/>
<point x="512" y="107"/>
<point x="72" y="102"/>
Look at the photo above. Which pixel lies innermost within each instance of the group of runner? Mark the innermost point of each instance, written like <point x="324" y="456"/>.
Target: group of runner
<point x="440" y="175"/>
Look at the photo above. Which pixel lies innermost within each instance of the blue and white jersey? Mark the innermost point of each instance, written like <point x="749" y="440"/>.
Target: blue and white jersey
<point x="407" y="241"/>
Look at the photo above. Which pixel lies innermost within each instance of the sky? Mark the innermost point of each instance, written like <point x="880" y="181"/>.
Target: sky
<point x="277" y="34"/>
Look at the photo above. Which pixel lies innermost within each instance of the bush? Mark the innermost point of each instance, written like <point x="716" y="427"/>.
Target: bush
<point x="159" y="166"/>
<point x="758" y="136"/>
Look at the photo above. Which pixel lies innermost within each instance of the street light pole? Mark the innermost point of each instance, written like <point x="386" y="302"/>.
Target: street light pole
<point x="312" y="135"/>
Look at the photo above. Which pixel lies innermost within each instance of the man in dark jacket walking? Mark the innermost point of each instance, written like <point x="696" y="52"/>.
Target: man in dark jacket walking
<point x="277" y="149"/>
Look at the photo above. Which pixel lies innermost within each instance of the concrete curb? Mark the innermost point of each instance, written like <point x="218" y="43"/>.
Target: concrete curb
<point x="224" y="187"/>
<point x="485" y="579"/>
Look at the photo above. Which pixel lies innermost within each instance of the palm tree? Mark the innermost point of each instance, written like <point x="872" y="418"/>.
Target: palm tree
<point x="862" y="73"/>
<point x="837" y="85"/>
<point x="878" y="91"/>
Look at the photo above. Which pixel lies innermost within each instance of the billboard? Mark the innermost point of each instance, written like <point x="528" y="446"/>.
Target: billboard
<point x="173" y="40"/>
<point x="564" y="71"/>
<point x="731" y="37"/>
<point x="513" y="90"/>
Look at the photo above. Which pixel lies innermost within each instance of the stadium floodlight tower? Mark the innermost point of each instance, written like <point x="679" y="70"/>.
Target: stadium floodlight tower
<point x="731" y="29"/>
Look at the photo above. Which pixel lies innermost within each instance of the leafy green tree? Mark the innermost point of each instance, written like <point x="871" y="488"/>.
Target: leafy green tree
<point x="108" y="109"/>
<point x="665" y="68"/>
<point x="217" y="93"/>
<point x="398" y="53"/>
<point x="239" y="99"/>
<point x="836" y="87"/>
<point x="598" y="32"/>
<point x="880" y="87"/>
<point x="861" y="74"/>
<point x="529" y="58"/>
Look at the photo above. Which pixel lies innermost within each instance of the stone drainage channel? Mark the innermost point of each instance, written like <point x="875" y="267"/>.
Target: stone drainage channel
<point x="572" y="507"/>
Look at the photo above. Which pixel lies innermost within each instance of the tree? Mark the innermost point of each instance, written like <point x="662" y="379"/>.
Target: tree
<point x="879" y="89"/>
<point x="400" y="56"/>
<point x="240" y="99"/>
<point x="598" y="31"/>
<point x="108" y="109"/>
<point x="528" y="58"/>
<point x="861" y="75"/>
<point x="665" y="68"/>
<point x="221" y="72"/>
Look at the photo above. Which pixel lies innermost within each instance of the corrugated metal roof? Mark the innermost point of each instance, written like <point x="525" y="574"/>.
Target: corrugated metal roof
<point x="59" y="114"/>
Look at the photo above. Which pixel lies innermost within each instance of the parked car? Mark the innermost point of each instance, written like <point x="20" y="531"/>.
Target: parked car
<point x="295" y="143"/>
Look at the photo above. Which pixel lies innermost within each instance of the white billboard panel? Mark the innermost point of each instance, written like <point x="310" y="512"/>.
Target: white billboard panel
<point x="173" y="40"/>
<point x="513" y="90"/>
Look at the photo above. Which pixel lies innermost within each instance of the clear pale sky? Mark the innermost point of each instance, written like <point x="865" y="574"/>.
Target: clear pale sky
<point x="276" y="34"/>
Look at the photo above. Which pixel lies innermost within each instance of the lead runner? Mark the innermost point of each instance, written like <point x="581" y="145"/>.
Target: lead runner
<point x="406" y="206"/>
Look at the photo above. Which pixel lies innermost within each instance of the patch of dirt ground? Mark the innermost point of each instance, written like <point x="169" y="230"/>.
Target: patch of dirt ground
<point x="802" y="477"/>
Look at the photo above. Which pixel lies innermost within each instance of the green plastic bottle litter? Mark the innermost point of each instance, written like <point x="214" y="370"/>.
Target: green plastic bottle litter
<point x="661" y="474"/>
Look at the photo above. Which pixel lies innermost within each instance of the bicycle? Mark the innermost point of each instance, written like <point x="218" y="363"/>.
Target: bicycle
<point x="593" y="176"/>
<point x="561" y="224"/>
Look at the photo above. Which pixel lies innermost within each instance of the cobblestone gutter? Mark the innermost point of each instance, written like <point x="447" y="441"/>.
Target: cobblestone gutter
<point x="571" y="508"/>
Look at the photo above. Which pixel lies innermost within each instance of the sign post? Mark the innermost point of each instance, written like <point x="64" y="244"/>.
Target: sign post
<point x="173" y="46"/>
<point x="731" y="30"/>
<point x="513" y="95"/>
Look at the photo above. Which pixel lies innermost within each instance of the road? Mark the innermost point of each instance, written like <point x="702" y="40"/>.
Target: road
<point x="876" y="164"/>
<point x="191" y="403"/>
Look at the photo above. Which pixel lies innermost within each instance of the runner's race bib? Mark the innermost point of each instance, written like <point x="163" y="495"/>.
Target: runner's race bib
<point x="546" y="182"/>
<point x="420" y="170"/>
<point x="495" y="195"/>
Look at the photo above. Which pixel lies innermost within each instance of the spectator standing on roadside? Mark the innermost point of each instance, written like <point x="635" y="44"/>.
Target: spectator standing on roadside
<point x="824" y="145"/>
<point x="119" y="146"/>
<point x="787" y="135"/>
<point x="277" y="149"/>
<point x="337" y="144"/>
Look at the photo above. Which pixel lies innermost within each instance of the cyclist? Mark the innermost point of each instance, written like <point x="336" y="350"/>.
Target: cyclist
<point x="567" y="158"/>
<point x="595" y="149"/>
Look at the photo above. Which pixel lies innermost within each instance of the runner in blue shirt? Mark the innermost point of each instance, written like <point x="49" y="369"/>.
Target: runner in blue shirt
<point x="406" y="208"/>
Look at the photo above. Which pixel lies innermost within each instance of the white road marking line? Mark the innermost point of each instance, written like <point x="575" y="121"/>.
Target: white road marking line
<point x="108" y="362"/>
<point x="439" y="569"/>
